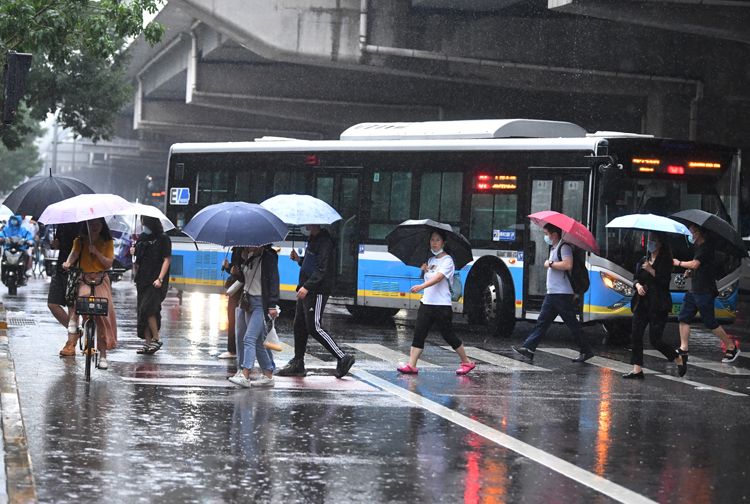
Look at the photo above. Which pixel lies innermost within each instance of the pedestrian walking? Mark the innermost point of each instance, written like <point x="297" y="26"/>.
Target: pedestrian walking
<point x="316" y="278"/>
<point x="436" y="307"/>
<point x="233" y="301"/>
<point x="259" y="273"/>
<point x="56" y="302"/>
<point x="701" y="297"/>
<point x="652" y="302"/>
<point x="153" y="256"/>
<point x="559" y="300"/>
<point x="94" y="251"/>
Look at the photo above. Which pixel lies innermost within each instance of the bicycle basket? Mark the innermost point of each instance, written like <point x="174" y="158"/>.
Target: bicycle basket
<point x="92" y="306"/>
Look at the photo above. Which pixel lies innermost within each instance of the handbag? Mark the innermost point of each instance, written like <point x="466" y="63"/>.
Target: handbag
<point x="245" y="297"/>
<point x="71" y="285"/>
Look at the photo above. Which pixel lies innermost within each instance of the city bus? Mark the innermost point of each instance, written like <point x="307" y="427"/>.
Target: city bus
<point x="483" y="178"/>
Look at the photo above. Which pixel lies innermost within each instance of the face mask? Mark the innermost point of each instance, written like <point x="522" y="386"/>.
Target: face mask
<point x="651" y="246"/>
<point x="436" y="252"/>
<point x="691" y="238"/>
<point x="146" y="230"/>
<point x="547" y="240"/>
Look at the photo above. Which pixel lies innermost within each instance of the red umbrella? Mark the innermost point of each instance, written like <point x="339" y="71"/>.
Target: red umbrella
<point x="573" y="232"/>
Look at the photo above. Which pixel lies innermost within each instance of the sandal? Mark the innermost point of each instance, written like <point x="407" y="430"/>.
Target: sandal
<point x="143" y="350"/>
<point x="154" y="347"/>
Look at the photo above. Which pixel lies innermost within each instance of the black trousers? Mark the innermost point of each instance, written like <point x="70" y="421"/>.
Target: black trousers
<point x="307" y="315"/>
<point x="656" y="321"/>
<point x="439" y="315"/>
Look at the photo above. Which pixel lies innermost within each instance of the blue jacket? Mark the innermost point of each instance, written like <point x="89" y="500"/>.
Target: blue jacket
<point x="15" y="229"/>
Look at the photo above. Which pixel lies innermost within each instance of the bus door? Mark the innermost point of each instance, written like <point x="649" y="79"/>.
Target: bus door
<point x="564" y="190"/>
<point x="341" y="189"/>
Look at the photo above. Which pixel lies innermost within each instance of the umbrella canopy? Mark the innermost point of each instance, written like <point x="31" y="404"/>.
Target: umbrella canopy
<point x="729" y="238"/>
<point x="37" y="193"/>
<point x="84" y="207"/>
<point x="235" y="224"/>
<point x="573" y="232"/>
<point x="299" y="209"/>
<point x="649" y="222"/>
<point x="410" y="242"/>
<point x="5" y="212"/>
<point x="149" y="211"/>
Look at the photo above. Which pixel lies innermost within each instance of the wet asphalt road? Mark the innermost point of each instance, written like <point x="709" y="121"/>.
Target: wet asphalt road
<point x="170" y="428"/>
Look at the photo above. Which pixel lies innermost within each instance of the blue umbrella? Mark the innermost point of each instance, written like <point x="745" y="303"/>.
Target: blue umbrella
<point x="649" y="222"/>
<point x="235" y="224"/>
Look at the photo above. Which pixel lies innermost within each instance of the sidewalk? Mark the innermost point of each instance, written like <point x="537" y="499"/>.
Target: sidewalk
<point x="16" y="478"/>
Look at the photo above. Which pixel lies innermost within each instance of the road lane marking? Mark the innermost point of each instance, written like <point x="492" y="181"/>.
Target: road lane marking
<point x="327" y="383"/>
<point x="499" y="360"/>
<point x="719" y="367"/>
<point x="622" y="367"/>
<point x="386" y="354"/>
<point x="560" y="466"/>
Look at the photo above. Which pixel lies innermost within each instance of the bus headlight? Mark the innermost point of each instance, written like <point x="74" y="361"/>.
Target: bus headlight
<point x="617" y="285"/>
<point x="725" y="293"/>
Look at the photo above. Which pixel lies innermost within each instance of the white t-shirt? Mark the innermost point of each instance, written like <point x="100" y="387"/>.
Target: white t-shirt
<point x="557" y="280"/>
<point x="252" y="271"/>
<point x="440" y="293"/>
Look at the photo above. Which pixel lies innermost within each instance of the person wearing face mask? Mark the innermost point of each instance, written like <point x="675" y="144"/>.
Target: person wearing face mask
<point x="316" y="277"/>
<point x="153" y="256"/>
<point x="436" y="307"/>
<point x="700" y="298"/>
<point x="652" y="303"/>
<point x="559" y="300"/>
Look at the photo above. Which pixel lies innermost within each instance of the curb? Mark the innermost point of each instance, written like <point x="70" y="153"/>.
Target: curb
<point x="19" y="483"/>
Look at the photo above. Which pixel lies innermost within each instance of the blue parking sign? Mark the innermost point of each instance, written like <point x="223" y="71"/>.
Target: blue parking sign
<point x="179" y="196"/>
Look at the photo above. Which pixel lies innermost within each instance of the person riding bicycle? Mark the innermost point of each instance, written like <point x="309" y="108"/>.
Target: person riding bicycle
<point x="14" y="229"/>
<point x="96" y="251"/>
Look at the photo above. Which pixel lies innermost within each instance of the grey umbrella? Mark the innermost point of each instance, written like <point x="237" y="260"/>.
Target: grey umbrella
<point x="729" y="238"/>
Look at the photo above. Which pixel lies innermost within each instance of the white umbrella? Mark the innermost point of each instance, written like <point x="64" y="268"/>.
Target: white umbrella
<point x="5" y="212"/>
<point x="649" y="222"/>
<point x="84" y="207"/>
<point x="149" y="211"/>
<point x="300" y="209"/>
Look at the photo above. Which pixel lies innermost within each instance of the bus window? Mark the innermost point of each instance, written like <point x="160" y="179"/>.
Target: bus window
<point x="250" y="185"/>
<point x="213" y="187"/>
<point x="391" y="202"/>
<point x="490" y="212"/>
<point x="440" y="197"/>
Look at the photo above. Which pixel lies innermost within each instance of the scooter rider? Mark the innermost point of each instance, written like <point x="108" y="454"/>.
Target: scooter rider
<point x="14" y="230"/>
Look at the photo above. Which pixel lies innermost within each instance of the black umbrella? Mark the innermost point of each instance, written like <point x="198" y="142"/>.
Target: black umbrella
<point x="730" y="239"/>
<point x="37" y="193"/>
<point x="410" y="242"/>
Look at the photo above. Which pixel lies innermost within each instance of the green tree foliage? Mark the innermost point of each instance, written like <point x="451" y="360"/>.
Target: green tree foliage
<point x="22" y="162"/>
<point x="77" y="59"/>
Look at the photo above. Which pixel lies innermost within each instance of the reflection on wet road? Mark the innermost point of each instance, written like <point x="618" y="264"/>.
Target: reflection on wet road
<point x="170" y="428"/>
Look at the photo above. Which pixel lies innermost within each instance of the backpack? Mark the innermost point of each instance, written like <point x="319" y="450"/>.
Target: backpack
<point x="579" y="275"/>
<point x="456" y="288"/>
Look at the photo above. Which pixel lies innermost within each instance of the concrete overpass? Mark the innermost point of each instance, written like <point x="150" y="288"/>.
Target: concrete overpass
<point x="239" y="69"/>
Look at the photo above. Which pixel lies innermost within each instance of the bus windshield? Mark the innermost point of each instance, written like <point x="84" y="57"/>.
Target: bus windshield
<point x="621" y="195"/>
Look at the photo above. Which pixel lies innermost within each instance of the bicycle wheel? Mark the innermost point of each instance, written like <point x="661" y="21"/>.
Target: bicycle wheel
<point x="89" y="330"/>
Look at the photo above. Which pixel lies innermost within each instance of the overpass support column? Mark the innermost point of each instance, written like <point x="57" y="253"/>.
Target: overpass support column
<point x="653" y="120"/>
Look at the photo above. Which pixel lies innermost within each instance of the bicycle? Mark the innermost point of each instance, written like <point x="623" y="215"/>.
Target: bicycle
<point x="89" y="307"/>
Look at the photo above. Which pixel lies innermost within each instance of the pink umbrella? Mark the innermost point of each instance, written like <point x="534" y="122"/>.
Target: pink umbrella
<point x="573" y="232"/>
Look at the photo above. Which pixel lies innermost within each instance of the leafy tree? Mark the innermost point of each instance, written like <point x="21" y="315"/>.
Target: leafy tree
<point x="78" y="64"/>
<point x="22" y="162"/>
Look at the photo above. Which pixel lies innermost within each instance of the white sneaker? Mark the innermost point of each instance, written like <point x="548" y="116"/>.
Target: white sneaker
<point x="263" y="381"/>
<point x="103" y="364"/>
<point x="226" y="355"/>
<point x="240" y="380"/>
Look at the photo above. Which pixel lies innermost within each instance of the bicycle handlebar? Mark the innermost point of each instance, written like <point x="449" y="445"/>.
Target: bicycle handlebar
<point x="93" y="283"/>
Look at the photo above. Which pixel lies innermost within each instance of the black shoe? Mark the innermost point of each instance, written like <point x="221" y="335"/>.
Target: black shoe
<point x="634" y="376"/>
<point x="682" y="368"/>
<point x="731" y="355"/>
<point x="293" y="368"/>
<point x="583" y="357"/>
<point x="524" y="352"/>
<point x="345" y="363"/>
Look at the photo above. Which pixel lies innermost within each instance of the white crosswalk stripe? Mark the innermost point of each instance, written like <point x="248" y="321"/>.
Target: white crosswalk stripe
<point x="717" y="366"/>
<point x="499" y="360"/>
<point x="386" y="354"/>
<point x="622" y="367"/>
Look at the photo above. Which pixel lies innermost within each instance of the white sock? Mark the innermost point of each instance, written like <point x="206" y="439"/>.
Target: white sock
<point x="72" y="327"/>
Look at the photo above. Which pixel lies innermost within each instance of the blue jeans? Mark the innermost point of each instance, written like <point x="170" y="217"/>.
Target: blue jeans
<point x="554" y="305"/>
<point x="250" y="332"/>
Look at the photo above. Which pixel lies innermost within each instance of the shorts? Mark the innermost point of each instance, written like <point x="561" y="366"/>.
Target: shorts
<point x="703" y="303"/>
<point x="57" y="286"/>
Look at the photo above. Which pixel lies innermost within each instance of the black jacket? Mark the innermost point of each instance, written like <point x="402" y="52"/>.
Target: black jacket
<point x="658" y="297"/>
<point x="317" y="267"/>
<point x="269" y="276"/>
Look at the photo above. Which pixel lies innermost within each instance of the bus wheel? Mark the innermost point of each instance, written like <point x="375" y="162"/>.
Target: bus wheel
<point x="371" y="314"/>
<point x="616" y="331"/>
<point x="494" y="304"/>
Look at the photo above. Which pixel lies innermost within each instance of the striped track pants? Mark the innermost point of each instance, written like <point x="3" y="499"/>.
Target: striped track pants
<point x="307" y="322"/>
